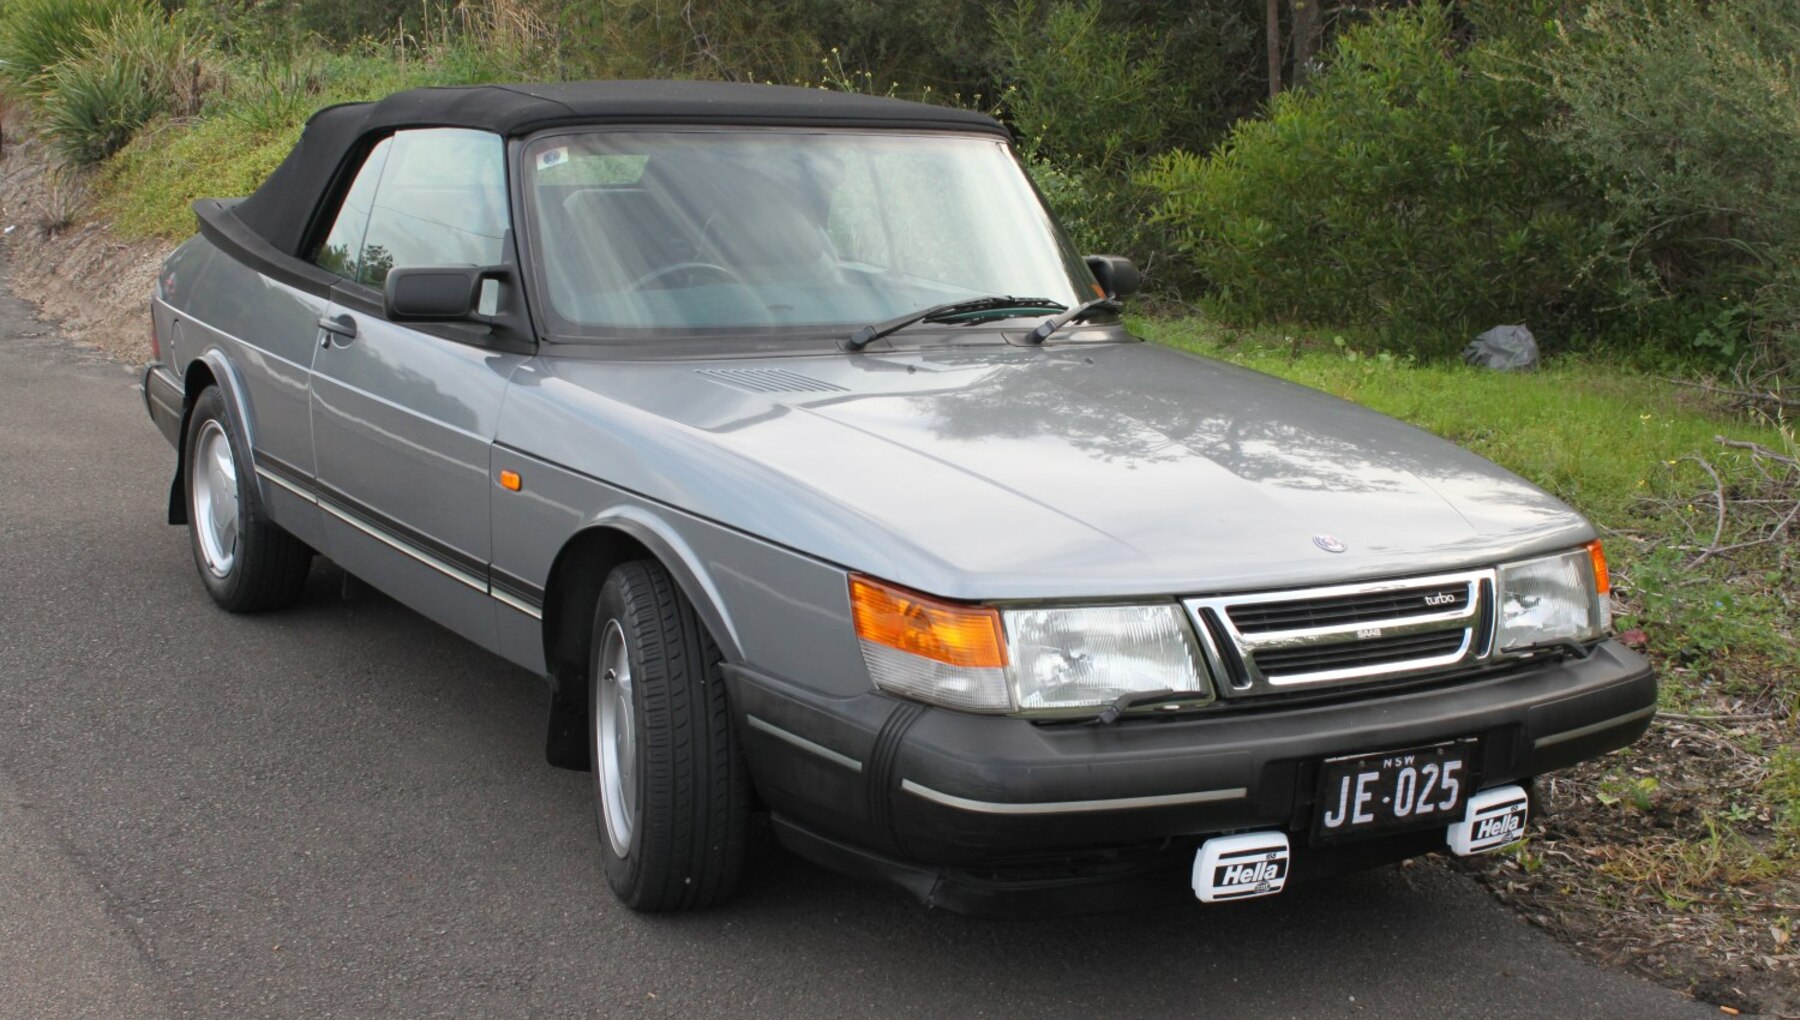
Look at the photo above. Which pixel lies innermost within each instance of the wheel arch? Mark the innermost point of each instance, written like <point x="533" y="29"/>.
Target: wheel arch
<point x="611" y="538"/>
<point x="211" y="368"/>
<point x="572" y="590"/>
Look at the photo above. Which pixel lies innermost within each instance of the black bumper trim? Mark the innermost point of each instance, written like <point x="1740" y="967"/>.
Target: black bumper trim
<point x="1592" y="728"/>
<point x="1057" y="807"/>
<point x="758" y="723"/>
<point x="163" y="399"/>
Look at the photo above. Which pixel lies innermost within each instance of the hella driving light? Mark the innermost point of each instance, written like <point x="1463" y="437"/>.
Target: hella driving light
<point x="1086" y="657"/>
<point x="1554" y="599"/>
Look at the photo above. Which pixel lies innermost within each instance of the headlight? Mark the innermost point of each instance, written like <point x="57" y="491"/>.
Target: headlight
<point x="1091" y="656"/>
<point x="1039" y="660"/>
<point x="1554" y="599"/>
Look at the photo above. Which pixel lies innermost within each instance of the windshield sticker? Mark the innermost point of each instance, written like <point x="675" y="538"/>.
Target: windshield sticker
<point x="552" y="157"/>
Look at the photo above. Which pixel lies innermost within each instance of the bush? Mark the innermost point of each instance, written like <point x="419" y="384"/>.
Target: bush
<point x="1091" y="102"/>
<point x="36" y="35"/>
<point x="94" y="106"/>
<point x="1405" y="188"/>
<point x="1685" y="112"/>
<point x="138" y="66"/>
<point x="1078" y="90"/>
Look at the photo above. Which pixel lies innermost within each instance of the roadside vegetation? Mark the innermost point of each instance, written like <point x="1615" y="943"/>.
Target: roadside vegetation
<point x="1345" y="201"/>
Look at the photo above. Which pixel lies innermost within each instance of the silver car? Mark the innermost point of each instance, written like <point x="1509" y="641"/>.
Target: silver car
<point x="783" y="432"/>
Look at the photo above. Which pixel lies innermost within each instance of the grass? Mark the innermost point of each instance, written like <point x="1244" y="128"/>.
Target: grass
<point x="147" y="190"/>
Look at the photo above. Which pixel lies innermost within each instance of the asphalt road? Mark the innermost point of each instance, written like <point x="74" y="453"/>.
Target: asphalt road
<point x="342" y="811"/>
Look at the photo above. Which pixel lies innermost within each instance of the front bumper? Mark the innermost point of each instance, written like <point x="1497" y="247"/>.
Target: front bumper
<point x="946" y="794"/>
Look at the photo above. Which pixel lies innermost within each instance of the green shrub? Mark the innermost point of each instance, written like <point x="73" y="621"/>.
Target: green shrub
<point x="1092" y="102"/>
<point x="94" y="106"/>
<point x="1687" y="114"/>
<point x="36" y="35"/>
<point x="272" y="97"/>
<point x="1080" y="91"/>
<point x="1405" y="188"/>
<point x="140" y="65"/>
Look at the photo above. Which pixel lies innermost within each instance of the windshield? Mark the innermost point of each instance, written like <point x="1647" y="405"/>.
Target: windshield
<point x="693" y="232"/>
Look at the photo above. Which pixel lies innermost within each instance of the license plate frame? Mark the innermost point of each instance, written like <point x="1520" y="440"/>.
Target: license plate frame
<point x="1361" y="795"/>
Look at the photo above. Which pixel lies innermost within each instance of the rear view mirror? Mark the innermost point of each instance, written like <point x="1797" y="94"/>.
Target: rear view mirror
<point x="440" y="293"/>
<point x="1117" y="276"/>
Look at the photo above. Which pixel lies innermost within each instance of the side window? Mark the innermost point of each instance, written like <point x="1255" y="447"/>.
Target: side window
<point x="342" y="251"/>
<point x="441" y="202"/>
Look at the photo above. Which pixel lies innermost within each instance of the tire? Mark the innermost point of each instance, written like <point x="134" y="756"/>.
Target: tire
<point x="246" y="561"/>
<point x="671" y="794"/>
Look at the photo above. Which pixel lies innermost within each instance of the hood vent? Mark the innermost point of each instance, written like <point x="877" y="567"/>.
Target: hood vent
<point x="769" y="380"/>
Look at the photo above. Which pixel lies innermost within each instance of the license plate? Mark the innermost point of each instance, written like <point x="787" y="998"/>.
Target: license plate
<point x="1415" y="788"/>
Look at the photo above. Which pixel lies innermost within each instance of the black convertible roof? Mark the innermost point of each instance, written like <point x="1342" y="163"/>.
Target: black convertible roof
<point x="282" y="211"/>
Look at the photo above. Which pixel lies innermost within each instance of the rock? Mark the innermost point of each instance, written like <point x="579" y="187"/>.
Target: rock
<point x="1504" y="349"/>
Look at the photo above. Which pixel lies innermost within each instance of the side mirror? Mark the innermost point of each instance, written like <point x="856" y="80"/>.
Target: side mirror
<point x="439" y="293"/>
<point x="1117" y="276"/>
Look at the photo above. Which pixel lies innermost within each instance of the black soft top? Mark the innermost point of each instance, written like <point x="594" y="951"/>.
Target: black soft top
<point x="282" y="211"/>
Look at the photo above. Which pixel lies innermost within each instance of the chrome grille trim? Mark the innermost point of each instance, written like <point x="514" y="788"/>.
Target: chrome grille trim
<point x="1232" y="652"/>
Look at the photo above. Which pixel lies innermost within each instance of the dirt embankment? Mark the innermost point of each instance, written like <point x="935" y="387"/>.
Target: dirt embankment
<point x="69" y="264"/>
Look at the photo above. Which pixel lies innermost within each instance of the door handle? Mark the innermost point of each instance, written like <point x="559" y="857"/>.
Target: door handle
<point x="339" y="326"/>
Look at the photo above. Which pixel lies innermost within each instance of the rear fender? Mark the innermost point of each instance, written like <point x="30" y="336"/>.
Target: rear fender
<point x="211" y="368"/>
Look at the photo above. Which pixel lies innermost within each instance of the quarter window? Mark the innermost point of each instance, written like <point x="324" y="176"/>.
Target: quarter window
<point x="439" y="200"/>
<point x="342" y="251"/>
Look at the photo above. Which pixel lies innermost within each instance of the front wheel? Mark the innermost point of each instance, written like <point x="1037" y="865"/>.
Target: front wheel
<point x="670" y="791"/>
<point x="247" y="562"/>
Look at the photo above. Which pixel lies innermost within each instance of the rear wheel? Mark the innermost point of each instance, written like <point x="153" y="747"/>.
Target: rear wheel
<point x="670" y="792"/>
<point x="247" y="562"/>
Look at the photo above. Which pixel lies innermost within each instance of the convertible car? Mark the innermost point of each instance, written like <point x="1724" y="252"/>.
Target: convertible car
<point x="785" y="434"/>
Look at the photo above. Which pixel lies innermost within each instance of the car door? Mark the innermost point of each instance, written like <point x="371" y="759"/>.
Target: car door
<point x="403" y="416"/>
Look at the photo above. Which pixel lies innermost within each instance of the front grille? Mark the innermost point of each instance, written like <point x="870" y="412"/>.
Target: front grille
<point x="1376" y="652"/>
<point x="1271" y="642"/>
<point x="1262" y="617"/>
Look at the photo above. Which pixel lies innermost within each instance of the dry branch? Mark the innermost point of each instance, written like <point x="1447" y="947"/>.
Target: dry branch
<point x="1760" y="399"/>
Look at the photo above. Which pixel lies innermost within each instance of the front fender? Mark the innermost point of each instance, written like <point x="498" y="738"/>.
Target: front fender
<point x="684" y="564"/>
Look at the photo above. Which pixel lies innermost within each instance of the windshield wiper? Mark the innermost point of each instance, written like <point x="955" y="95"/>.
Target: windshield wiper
<point x="869" y="334"/>
<point x="1076" y="314"/>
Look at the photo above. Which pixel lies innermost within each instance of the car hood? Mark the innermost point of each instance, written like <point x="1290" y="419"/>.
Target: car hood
<point x="1083" y="469"/>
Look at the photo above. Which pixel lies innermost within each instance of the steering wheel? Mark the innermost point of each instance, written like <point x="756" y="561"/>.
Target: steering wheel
<point x="644" y="282"/>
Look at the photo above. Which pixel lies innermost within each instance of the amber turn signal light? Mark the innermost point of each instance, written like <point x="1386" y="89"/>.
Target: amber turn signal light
<point x="947" y="632"/>
<point x="1602" y="582"/>
<point x="510" y="481"/>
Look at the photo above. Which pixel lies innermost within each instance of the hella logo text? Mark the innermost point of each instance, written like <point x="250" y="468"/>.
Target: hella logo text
<point x="1249" y="874"/>
<point x="1511" y="823"/>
